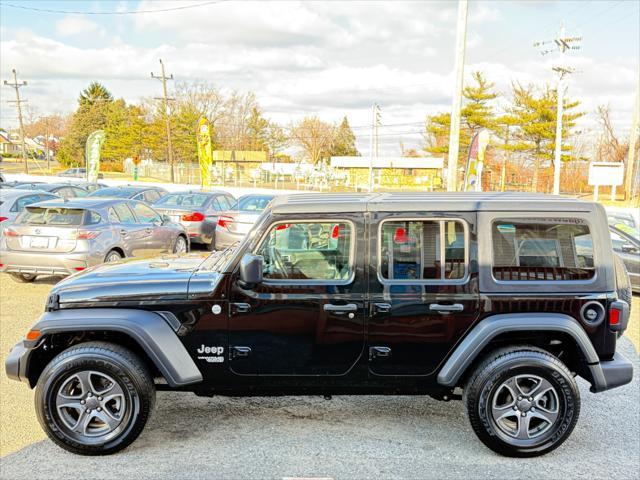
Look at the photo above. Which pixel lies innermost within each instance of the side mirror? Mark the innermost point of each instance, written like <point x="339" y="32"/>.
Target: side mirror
<point x="629" y="248"/>
<point x="166" y="219"/>
<point x="251" y="269"/>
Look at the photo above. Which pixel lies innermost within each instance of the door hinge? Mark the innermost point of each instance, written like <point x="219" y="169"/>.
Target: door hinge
<point x="379" y="352"/>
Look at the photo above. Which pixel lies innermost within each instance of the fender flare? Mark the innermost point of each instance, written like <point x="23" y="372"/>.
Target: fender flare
<point x="148" y="329"/>
<point x="489" y="328"/>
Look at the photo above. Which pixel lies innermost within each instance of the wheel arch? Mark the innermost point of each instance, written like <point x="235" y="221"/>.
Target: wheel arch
<point x="548" y="331"/>
<point x="146" y="333"/>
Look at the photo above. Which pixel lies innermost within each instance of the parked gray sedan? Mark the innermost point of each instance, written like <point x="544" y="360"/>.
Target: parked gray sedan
<point x="236" y="223"/>
<point x="13" y="201"/>
<point x="61" y="237"/>
<point x="198" y="211"/>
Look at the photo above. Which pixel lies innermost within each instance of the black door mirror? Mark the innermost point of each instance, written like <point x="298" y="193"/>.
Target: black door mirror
<point x="629" y="248"/>
<point x="250" y="270"/>
<point x="166" y="219"/>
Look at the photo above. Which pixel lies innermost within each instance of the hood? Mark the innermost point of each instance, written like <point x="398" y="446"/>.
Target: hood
<point x="129" y="282"/>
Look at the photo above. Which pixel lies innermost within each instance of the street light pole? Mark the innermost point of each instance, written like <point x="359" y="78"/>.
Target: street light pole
<point x="456" y="103"/>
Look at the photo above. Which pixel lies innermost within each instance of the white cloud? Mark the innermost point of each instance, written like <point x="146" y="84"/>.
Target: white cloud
<point x="74" y="24"/>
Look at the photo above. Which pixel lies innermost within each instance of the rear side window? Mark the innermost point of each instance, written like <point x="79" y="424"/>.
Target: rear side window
<point x="124" y="213"/>
<point x="414" y="250"/>
<point x="542" y="250"/>
<point x="151" y="196"/>
<point x="308" y="251"/>
<point x="51" y="216"/>
<point x="93" y="218"/>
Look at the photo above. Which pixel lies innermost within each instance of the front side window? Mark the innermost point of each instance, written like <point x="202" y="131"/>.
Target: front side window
<point x="413" y="250"/>
<point x="540" y="249"/>
<point x="145" y="214"/>
<point x="308" y="251"/>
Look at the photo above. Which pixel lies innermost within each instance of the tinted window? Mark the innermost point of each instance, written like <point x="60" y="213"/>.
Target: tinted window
<point x="124" y="213"/>
<point x="413" y="250"/>
<point x="111" y="192"/>
<point x="93" y="218"/>
<point x="308" y="251"/>
<point x="51" y="216"/>
<point x="151" y="196"/>
<point x="542" y="250"/>
<point x="183" y="200"/>
<point x="145" y="214"/>
<point x="254" y="203"/>
<point x="24" y="201"/>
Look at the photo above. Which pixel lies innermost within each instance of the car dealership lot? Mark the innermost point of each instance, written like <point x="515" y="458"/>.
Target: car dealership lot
<point x="348" y="437"/>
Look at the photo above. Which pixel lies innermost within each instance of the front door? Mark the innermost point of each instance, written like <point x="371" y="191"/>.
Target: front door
<point x="307" y="317"/>
<point x="424" y="293"/>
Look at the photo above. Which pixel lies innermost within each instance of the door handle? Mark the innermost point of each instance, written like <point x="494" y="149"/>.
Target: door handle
<point x="123" y="233"/>
<point x="148" y="230"/>
<point x="379" y="352"/>
<point x="240" y="352"/>
<point x="382" y="307"/>
<point x="240" y="308"/>
<point x="339" y="309"/>
<point x="444" y="309"/>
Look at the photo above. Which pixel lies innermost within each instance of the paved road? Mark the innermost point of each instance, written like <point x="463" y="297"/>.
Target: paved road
<point x="348" y="437"/>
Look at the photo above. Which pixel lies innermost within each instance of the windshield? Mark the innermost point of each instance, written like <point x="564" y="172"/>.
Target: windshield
<point x="111" y="192"/>
<point x="183" y="200"/>
<point x="51" y="216"/>
<point x="254" y="202"/>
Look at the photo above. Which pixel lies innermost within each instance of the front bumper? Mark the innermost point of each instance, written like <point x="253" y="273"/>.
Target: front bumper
<point x="17" y="362"/>
<point x="611" y="373"/>
<point x="45" y="263"/>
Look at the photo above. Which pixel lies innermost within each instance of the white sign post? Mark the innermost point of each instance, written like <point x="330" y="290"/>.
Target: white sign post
<point x="605" y="174"/>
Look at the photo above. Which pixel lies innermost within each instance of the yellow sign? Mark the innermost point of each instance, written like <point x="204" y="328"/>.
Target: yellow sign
<point x="204" y="151"/>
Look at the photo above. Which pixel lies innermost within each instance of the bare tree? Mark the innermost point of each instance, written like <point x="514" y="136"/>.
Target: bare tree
<point x="314" y="137"/>
<point x="608" y="147"/>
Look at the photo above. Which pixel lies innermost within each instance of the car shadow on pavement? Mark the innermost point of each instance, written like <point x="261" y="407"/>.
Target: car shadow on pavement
<point x="347" y="437"/>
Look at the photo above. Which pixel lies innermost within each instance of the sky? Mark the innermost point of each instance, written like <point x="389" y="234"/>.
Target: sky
<point x="325" y="58"/>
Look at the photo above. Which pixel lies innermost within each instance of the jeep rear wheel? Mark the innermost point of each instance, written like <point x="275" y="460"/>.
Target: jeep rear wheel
<point x="94" y="398"/>
<point x="522" y="402"/>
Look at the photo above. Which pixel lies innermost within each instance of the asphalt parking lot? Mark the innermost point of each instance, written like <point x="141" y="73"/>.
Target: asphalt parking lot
<point x="347" y="437"/>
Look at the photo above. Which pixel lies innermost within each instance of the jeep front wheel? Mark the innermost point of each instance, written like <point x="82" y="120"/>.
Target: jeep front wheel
<point x="522" y="402"/>
<point x="94" y="398"/>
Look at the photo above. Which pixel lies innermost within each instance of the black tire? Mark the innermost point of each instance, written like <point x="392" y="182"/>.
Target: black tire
<point x="487" y="391"/>
<point x="96" y="361"/>
<point x="211" y="247"/>
<point x="24" y="277"/>
<point x="623" y="282"/>
<point x="179" y="239"/>
<point x="113" y="256"/>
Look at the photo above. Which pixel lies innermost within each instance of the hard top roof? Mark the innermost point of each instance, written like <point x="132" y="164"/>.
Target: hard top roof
<point x="420" y="202"/>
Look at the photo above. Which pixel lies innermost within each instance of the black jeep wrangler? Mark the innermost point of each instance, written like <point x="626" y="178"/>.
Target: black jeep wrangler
<point x="503" y="297"/>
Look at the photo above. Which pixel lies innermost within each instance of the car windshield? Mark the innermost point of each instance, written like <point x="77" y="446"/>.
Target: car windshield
<point x="51" y="216"/>
<point x="111" y="192"/>
<point x="254" y="203"/>
<point x="183" y="200"/>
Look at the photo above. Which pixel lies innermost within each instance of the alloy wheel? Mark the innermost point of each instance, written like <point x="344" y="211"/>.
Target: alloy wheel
<point x="525" y="409"/>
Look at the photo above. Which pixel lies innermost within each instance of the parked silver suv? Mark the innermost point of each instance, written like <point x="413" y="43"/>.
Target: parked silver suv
<point x="61" y="237"/>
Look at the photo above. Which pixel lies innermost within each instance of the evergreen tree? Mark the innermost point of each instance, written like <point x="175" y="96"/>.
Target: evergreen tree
<point x="95" y="93"/>
<point x="344" y="143"/>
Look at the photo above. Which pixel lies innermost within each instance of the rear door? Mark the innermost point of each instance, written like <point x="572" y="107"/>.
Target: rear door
<point x="158" y="238"/>
<point x="131" y="232"/>
<point x="423" y="290"/>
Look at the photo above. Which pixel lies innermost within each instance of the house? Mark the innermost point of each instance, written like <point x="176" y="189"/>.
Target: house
<point x="8" y="145"/>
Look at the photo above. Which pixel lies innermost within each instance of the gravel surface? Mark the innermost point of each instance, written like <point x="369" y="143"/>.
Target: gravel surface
<point x="347" y="437"/>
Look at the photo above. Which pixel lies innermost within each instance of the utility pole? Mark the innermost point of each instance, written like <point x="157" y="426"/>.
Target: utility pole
<point x="373" y="151"/>
<point x="19" y="103"/>
<point x="46" y="143"/>
<point x="165" y="99"/>
<point x="633" y="137"/>
<point x="562" y="44"/>
<point x="456" y="103"/>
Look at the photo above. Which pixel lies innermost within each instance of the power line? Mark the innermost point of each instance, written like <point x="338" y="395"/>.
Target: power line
<point x="127" y="12"/>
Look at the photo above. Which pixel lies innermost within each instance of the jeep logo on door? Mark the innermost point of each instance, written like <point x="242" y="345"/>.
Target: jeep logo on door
<point x="212" y="354"/>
